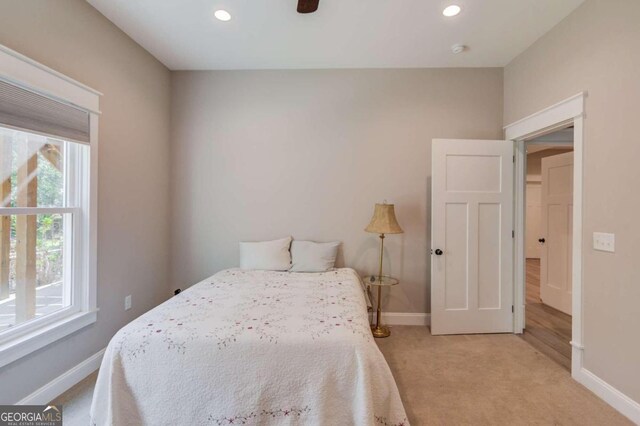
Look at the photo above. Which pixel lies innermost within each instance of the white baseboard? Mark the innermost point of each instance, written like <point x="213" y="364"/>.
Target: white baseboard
<point x="64" y="382"/>
<point x="609" y="394"/>
<point x="406" y="318"/>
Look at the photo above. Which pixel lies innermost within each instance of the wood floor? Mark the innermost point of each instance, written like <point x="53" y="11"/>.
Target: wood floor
<point x="546" y="328"/>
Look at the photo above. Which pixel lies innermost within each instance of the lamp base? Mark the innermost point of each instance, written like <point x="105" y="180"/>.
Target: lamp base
<point x="379" y="331"/>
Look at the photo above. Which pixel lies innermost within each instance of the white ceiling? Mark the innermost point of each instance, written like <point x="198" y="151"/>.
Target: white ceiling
<point x="265" y="34"/>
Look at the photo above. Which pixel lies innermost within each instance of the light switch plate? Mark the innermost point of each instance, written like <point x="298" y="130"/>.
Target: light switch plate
<point x="604" y="242"/>
<point x="127" y="303"/>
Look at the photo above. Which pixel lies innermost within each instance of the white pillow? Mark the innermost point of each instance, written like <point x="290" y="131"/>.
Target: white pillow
<point x="308" y="256"/>
<point x="266" y="255"/>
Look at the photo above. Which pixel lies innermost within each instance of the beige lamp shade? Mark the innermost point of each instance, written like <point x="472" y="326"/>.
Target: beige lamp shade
<point x="384" y="221"/>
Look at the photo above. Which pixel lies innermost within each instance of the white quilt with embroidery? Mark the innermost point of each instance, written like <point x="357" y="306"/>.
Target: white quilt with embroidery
<point x="251" y="348"/>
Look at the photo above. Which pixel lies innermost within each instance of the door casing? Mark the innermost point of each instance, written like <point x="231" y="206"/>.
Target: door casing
<point x="563" y="114"/>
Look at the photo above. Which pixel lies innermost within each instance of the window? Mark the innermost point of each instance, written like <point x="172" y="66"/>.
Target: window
<point x="38" y="221"/>
<point x="48" y="136"/>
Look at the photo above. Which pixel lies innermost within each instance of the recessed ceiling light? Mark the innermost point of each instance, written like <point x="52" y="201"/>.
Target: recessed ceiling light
<point x="452" y="10"/>
<point x="222" y="15"/>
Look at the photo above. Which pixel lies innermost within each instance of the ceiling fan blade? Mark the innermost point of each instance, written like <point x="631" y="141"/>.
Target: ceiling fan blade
<point x="307" y="6"/>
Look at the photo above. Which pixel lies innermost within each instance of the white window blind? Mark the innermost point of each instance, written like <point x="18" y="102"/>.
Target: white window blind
<point x="26" y="110"/>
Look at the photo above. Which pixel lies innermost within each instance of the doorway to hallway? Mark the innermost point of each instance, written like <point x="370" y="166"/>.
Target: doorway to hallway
<point x="548" y="233"/>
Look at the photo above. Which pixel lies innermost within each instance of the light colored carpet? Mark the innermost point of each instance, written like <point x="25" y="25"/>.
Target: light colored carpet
<point x="459" y="380"/>
<point x="490" y="379"/>
<point x="76" y="402"/>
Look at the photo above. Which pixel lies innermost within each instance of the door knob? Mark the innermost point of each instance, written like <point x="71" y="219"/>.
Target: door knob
<point x="541" y="240"/>
<point x="438" y="252"/>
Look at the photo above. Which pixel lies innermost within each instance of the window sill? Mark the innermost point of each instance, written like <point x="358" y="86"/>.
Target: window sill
<point x="37" y="339"/>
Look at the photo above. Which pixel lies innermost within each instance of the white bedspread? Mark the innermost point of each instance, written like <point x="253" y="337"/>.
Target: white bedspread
<point x="251" y="347"/>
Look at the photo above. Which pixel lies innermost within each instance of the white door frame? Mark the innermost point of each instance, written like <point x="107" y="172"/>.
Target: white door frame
<point x="570" y="111"/>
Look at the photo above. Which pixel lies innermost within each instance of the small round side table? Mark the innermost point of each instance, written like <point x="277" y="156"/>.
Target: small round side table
<point x="380" y="330"/>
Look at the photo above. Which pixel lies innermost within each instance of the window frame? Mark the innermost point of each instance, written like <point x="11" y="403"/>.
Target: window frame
<point x="75" y="172"/>
<point x="38" y="333"/>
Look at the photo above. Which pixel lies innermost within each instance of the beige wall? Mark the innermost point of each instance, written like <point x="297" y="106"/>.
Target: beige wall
<point x="133" y="227"/>
<point x="595" y="49"/>
<point x="265" y="154"/>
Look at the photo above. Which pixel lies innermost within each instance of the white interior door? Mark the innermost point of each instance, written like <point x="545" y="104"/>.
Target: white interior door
<point x="472" y="243"/>
<point x="557" y="231"/>
<point x="533" y="219"/>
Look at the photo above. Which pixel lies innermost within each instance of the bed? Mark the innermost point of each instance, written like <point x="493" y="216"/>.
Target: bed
<point x="251" y="347"/>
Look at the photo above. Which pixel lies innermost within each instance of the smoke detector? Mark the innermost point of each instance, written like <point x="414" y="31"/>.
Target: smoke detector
<point x="458" y="48"/>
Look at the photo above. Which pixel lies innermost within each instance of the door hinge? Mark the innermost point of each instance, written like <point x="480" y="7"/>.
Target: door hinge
<point x="513" y="234"/>
<point x="512" y="309"/>
<point x="514" y="158"/>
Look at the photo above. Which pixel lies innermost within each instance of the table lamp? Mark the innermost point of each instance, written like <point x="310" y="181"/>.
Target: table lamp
<point x="383" y="222"/>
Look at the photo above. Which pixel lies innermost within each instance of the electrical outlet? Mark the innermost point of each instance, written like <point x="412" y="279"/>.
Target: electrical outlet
<point x="604" y="242"/>
<point x="127" y="303"/>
